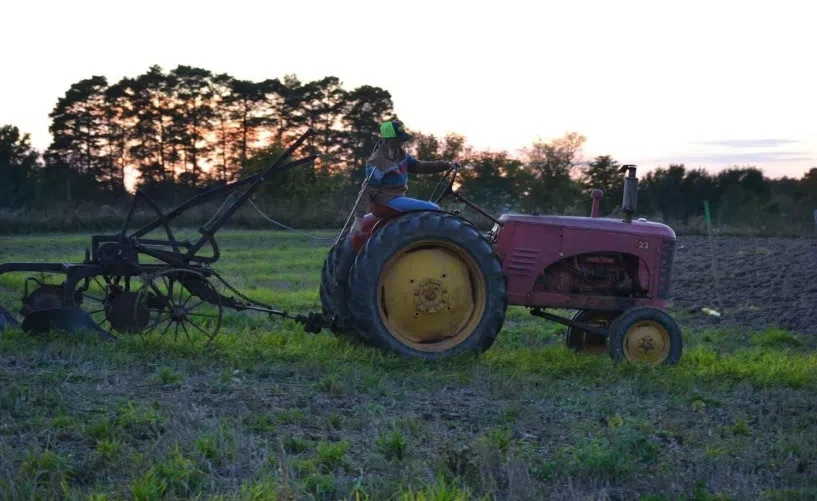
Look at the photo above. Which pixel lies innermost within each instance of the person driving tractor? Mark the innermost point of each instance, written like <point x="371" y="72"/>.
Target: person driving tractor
<point x="387" y="171"/>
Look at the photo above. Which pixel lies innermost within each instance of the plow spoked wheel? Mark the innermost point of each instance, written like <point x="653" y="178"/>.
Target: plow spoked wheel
<point x="429" y="286"/>
<point x="180" y="304"/>
<point x="647" y="335"/>
<point x="582" y="341"/>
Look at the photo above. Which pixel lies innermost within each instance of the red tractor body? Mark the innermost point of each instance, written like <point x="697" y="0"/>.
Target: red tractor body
<point x="585" y="263"/>
<point x="429" y="284"/>
<point x="576" y="263"/>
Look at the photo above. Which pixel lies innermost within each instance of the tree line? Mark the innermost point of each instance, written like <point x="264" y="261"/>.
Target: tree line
<point x="176" y="133"/>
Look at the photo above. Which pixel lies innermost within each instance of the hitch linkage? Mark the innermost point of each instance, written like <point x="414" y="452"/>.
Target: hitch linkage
<point x="595" y="329"/>
<point x="312" y="322"/>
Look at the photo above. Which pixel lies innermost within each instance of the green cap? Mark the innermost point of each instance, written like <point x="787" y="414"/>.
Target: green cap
<point x="394" y="129"/>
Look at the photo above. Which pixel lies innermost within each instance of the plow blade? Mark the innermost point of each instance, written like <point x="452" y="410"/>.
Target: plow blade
<point x="6" y="319"/>
<point x="72" y="320"/>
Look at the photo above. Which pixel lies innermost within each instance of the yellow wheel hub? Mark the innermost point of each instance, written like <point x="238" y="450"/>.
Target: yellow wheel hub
<point x="431" y="295"/>
<point x="647" y="341"/>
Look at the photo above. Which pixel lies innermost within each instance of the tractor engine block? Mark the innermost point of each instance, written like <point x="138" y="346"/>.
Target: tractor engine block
<point x="597" y="274"/>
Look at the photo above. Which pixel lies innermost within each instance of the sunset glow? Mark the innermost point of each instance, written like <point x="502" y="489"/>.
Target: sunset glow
<point x="708" y="84"/>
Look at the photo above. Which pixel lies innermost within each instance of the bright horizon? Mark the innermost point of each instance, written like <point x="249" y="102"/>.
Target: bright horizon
<point x="705" y="84"/>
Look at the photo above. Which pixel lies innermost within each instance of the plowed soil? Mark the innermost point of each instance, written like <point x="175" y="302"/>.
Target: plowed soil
<point x="762" y="282"/>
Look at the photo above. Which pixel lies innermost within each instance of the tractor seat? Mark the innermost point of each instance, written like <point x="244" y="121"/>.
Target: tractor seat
<point x="399" y="205"/>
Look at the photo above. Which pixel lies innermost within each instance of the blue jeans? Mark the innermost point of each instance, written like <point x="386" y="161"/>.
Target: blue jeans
<point x="407" y="204"/>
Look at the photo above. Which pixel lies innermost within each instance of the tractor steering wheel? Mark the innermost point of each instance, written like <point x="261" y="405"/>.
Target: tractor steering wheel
<point x="444" y="182"/>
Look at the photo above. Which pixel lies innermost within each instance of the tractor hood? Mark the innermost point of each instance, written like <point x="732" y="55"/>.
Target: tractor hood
<point x="636" y="227"/>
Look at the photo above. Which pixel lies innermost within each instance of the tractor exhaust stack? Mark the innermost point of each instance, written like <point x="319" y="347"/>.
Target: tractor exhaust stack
<point x="628" y="204"/>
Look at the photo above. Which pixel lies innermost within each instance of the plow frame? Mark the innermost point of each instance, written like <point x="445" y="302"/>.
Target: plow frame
<point x="117" y="255"/>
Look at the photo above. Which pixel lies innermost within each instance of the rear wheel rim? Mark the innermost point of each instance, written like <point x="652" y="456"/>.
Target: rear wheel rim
<point x="647" y="341"/>
<point x="431" y="295"/>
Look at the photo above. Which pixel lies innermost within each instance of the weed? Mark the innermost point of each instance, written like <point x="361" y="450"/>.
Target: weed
<point x="62" y="422"/>
<point x="332" y="455"/>
<point x="741" y="427"/>
<point x="207" y="447"/>
<point x="440" y="490"/>
<point x="335" y="421"/>
<point x="699" y="494"/>
<point x="259" y="423"/>
<point x="216" y="446"/>
<point x="392" y="445"/>
<point x="291" y="416"/>
<point x="497" y="438"/>
<point x="331" y="385"/>
<point x="46" y="471"/>
<point x="320" y="484"/>
<point x="109" y="450"/>
<point x="11" y="400"/>
<point x="611" y="456"/>
<point x="777" y="339"/>
<point x="295" y="445"/>
<point x="102" y="428"/>
<point x="140" y="421"/>
<point x="168" y="376"/>
<point x="178" y="474"/>
<point x="149" y="487"/>
<point x="615" y="422"/>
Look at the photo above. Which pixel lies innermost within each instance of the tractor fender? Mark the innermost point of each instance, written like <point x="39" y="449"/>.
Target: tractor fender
<point x="373" y="223"/>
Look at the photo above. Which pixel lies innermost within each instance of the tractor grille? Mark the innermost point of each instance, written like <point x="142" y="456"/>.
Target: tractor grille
<point x="665" y="268"/>
<point x="522" y="261"/>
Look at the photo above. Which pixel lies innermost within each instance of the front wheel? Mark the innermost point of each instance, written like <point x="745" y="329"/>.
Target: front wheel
<point x="428" y="286"/>
<point x="645" y="335"/>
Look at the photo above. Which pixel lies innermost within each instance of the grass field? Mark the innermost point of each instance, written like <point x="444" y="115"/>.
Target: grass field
<point x="273" y="413"/>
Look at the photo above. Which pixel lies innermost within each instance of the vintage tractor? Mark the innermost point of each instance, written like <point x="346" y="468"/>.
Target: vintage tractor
<point x="429" y="284"/>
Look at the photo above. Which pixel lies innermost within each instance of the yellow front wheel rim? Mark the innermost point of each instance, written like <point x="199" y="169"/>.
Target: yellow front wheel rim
<point x="647" y="341"/>
<point x="431" y="295"/>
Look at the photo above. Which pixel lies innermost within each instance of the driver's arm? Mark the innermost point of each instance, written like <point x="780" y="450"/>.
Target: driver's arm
<point x="427" y="166"/>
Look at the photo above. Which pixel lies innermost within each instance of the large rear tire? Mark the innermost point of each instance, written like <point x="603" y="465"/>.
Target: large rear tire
<point x="430" y="286"/>
<point x="334" y="276"/>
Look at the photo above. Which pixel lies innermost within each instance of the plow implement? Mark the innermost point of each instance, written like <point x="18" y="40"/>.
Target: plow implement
<point x="115" y="291"/>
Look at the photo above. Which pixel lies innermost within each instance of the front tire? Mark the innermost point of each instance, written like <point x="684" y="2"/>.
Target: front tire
<point x="428" y="286"/>
<point x="645" y="335"/>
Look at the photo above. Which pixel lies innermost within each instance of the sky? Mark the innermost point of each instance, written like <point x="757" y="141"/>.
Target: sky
<point x="709" y="84"/>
